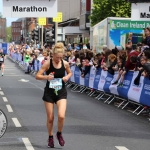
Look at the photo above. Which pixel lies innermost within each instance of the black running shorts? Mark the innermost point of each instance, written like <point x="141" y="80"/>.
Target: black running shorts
<point x="51" y="97"/>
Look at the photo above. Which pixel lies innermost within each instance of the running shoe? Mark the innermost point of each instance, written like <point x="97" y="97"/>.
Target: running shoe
<point x="115" y="82"/>
<point x="60" y="139"/>
<point x="51" y="143"/>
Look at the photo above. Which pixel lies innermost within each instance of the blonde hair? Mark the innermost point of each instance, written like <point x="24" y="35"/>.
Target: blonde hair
<point x="58" y="48"/>
<point x="45" y="52"/>
<point x="112" y="57"/>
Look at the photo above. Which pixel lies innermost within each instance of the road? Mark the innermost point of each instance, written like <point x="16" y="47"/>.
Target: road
<point x="89" y="125"/>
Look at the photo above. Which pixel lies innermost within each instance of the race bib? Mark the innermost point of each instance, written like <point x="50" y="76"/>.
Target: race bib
<point x="1" y="59"/>
<point x="56" y="84"/>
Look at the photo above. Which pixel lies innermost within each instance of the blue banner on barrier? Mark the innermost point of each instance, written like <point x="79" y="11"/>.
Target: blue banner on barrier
<point x="145" y="94"/>
<point x="5" y="48"/>
<point x="123" y="91"/>
<point x="102" y="80"/>
<point x="77" y="74"/>
<point x="107" y="84"/>
<point x="97" y="78"/>
<point x="86" y="80"/>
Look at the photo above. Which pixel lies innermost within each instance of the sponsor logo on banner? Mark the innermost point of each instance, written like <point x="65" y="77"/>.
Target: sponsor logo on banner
<point x="72" y="70"/>
<point x="107" y="84"/>
<point x="113" y="88"/>
<point x="145" y="94"/>
<point x="102" y="80"/>
<point x="77" y="74"/>
<point x="97" y="78"/>
<point x="86" y="80"/>
<point x="3" y="123"/>
<point x="92" y="77"/>
<point x="135" y="90"/>
<point x="81" y="80"/>
<point x="123" y="91"/>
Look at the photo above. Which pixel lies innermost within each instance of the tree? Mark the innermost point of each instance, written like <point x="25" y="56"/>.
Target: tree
<point x="109" y="8"/>
<point x="8" y="34"/>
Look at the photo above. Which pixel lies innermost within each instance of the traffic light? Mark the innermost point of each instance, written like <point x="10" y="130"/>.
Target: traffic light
<point x="53" y="36"/>
<point x="21" y="37"/>
<point x="47" y="33"/>
<point x="32" y="34"/>
<point x="37" y="33"/>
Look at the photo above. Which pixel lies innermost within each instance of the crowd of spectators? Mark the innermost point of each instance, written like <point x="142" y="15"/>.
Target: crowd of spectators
<point x="117" y="59"/>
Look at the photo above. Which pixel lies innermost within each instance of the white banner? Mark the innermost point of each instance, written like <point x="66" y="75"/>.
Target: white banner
<point x="29" y="8"/>
<point x="92" y="76"/>
<point x="102" y="80"/>
<point x="72" y="70"/>
<point x="134" y="92"/>
<point x="113" y="88"/>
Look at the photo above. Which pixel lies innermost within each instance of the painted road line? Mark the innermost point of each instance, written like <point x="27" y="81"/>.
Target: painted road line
<point x="1" y="93"/>
<point x="16" y="122"/>
<point x="9" y="108"/>
<point x="5" y="99"/>
<point x="27" y="143"/>
<point x="121" y="148"/>
<point x="0" y="88"/>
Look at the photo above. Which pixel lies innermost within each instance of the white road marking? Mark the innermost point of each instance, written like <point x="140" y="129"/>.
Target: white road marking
<point x="5" y="99"/>
<point x="36" y="86"/>
<point x="9" y="108"/>
<point x="0" y="88"/>
<point x="23" y="80"/>
<point x="1" y="93"/>
<point x="27" y="143"/>
<point x="16" y="122"/>
<point x="121" y="148"/>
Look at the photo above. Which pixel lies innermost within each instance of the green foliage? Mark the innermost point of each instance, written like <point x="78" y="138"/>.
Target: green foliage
<point x="8" y="34"/>
<point x="109" y="8"/>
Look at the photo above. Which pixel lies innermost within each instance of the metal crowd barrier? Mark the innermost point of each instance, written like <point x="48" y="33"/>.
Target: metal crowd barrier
<point x="107" y="98"/>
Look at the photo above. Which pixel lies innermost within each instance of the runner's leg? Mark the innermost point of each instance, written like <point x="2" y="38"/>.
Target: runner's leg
<point x="61" y="105"/>
<point x="50" y="117"/>
<point x="2" y="67"/>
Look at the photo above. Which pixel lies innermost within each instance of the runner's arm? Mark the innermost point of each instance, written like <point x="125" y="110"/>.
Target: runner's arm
<point x="68" y="70"/>
<point x="39" y="75"/>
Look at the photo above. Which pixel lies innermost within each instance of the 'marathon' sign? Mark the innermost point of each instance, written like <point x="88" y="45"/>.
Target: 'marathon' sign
<point x="29" y="8"/>
<point x="127" y="24"/>
<point x="140" y="11"/>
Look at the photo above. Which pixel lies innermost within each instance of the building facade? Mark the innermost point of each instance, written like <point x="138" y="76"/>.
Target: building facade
<point x="16" y="31"/>
<point x="75" y="14"/>
<point x="72" y="11"/>
<point x="2" y="29"/>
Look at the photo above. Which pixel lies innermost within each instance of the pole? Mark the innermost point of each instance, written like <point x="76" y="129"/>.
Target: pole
<point x="42" y="36"/>
<point x="56" y="27"/>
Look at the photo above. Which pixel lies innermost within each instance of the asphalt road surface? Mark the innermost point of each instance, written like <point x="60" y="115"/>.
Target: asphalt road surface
<point x="89" y="125"/>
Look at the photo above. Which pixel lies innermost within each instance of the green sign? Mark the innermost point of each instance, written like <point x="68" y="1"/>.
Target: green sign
<point x="127" y="24"/>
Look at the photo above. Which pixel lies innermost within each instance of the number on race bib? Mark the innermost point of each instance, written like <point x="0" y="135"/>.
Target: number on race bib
<point x="56" y="84"/>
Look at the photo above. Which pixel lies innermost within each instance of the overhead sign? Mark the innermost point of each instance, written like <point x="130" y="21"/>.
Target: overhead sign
<point x="127" y="24"/>
<point x="41" y="21"/>
<point x="140" y="11"/>
<point x="58" y="18"/>
<point x="28" y="8"/>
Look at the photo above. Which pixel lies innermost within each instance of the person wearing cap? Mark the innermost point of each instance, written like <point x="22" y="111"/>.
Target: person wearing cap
<point x="105" y="48"/>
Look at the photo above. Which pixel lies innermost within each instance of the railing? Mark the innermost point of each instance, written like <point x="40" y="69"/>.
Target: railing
<point x="99" y="83"/>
